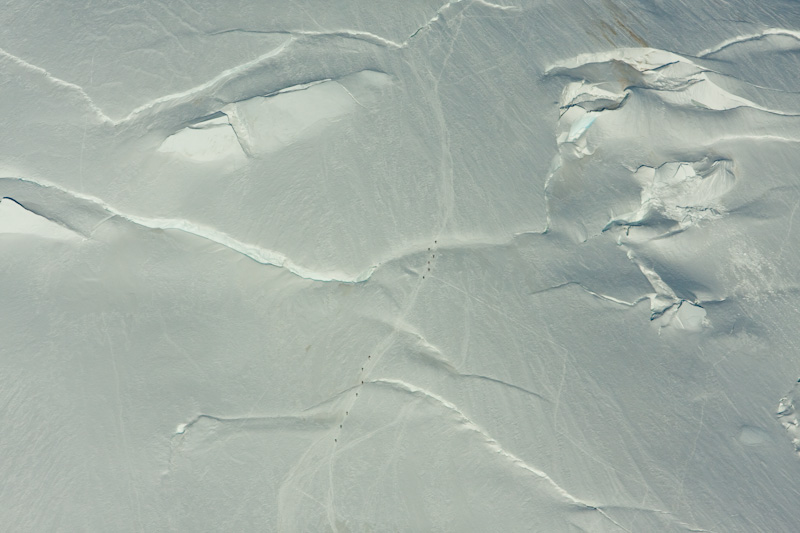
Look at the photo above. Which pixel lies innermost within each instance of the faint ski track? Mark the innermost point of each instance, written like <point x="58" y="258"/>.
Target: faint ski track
<point x="133" y="488"/>
<point x="493" y="445"/>
<point x="357" y="35"/>
<point x="788" y="232"/>
<point x="597" y="295"/>
<point x="701" y="425"/>
<point x="441" y="10"/>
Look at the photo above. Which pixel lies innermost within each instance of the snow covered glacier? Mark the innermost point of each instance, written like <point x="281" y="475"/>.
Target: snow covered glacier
<point x="400" y="266"/>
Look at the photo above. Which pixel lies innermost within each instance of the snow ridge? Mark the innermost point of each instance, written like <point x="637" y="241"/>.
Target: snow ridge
<point x="256" y="253"/>
<point x="59" y="82"/>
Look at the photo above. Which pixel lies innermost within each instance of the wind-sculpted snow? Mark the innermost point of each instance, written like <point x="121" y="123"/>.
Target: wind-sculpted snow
<point x="256" y="253"/>
<point x="400" y="266"/>
<point x="618" y="92"/>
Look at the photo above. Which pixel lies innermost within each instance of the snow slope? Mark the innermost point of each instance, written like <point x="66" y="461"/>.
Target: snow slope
<point x="400" y="266"/>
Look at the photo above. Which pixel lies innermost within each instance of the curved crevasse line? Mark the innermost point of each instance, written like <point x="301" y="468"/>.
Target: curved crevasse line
<point x="213" y="83"/>
<point x="755" y="137"/>
<point x="357" y="35"/>
<point x="178" y="97"/>
<point x="253" y="251"/>
<point x="492" y="444"/>
<point x="408" y="388"/>
<point x="256" y="253"/>
<point x="216" y="82"/>
<point x="444" y="7"/>
<point x="495" y="446"/>
<point x="746" y="38"/>
<point x="233" y="72"/>
<point x="668" y="73"/>
<point x="498" y="6"/>
<point x="506" y="384"/>
<point x="191" y="93"/>
<point x="59" y="82"/>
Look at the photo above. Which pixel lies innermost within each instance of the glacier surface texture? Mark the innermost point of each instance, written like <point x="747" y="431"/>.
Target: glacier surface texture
<point x="400" y="266"/>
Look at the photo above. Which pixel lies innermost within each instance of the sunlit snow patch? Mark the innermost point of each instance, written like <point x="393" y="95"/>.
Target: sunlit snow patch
<point x="585" y="195"/>
<point x="683" y="316"/>
<point x="15" y="219"/>
<point x="210" y="140"/>
<point x="269" y="123"/>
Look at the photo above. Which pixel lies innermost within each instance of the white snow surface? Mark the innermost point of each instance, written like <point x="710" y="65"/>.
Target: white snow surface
<point x="400" y="266"/>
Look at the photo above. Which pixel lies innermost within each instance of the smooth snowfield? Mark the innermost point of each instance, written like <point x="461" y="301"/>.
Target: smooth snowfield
<point x="400" y="266"/>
